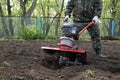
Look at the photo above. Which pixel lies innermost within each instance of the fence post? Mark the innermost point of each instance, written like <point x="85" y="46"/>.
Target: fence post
<point x="113" y="27"/>
<point x="39" y="22"/>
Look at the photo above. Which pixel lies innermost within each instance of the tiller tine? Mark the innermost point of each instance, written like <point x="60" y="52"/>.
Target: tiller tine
<point x="61" y="56"/>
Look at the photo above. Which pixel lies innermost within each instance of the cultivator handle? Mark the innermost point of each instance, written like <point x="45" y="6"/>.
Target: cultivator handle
<point x="92" y="22"/>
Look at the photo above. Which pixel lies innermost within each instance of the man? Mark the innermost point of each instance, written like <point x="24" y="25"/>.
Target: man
<point x="85" y="11"/>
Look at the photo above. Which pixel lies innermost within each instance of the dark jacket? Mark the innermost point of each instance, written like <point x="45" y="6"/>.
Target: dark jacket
<point x="83" y="10"/>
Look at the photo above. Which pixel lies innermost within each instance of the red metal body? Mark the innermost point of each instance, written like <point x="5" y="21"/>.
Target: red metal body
<point x="68" y="51"/>
<point x="64" y="50"/>
<point x="69" y="48"/>
<point x="85" y="28"/>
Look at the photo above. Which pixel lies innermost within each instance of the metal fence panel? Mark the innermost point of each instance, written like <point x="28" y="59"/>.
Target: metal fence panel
<point x="10" y="26"/>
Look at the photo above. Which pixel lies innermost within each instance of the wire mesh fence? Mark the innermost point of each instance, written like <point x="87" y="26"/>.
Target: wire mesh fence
<point x="11" y="26"/>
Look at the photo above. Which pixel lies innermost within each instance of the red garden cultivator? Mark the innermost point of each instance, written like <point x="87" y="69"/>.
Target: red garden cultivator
<point x="67" y="51"/>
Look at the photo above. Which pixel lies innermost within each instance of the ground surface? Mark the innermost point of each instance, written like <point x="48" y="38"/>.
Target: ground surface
<point x="21" y="60"/>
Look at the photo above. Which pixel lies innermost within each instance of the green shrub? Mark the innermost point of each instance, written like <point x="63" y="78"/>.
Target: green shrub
<point x="30" y="32"/>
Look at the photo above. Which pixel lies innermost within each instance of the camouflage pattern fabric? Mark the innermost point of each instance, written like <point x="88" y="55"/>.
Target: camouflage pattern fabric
<point x="94" y="33"/>
<point x="83" y="12"/>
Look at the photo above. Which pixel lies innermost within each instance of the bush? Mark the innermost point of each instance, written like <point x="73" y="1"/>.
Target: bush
<point x="30" y="32"/>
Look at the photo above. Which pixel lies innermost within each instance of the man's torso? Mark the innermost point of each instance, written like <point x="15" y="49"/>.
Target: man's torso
<point x="83" y="9"/>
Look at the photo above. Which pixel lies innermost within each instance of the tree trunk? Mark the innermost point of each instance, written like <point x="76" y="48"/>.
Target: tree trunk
<point x="23" y="6"/>
<point x="114" y="7"/>
<point x="31" y="9"/>
<point x="48" y="15"/>
<point x="58" y="21"/>
<point x="110" y="27"/>
<point x="10" y="20"/>
<point x="27" y="14"/>
<point x="119" y="29"/>
<point x="3" y="22"/>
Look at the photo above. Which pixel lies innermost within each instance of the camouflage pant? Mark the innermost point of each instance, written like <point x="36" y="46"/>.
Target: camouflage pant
<point x="94" y="33"/>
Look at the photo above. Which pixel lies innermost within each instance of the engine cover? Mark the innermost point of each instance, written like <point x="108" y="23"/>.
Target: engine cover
<point x="69" y="29"/>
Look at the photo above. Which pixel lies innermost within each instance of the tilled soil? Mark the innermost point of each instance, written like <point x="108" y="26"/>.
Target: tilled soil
<point x="21" y="60"/>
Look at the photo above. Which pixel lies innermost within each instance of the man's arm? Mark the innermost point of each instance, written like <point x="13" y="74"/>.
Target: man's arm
<point x="69" y="7"/>
<point x="98" y="7"/>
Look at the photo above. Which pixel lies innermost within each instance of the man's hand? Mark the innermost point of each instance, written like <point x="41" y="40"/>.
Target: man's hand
<point x="96" y="20"/>
<point x="66" y="18"/>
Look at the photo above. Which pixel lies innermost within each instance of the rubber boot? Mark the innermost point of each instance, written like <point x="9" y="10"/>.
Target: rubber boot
<point x="99" y="53"/>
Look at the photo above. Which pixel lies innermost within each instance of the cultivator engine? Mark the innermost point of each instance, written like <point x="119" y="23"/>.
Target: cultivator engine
<point x="67" y="52"/>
